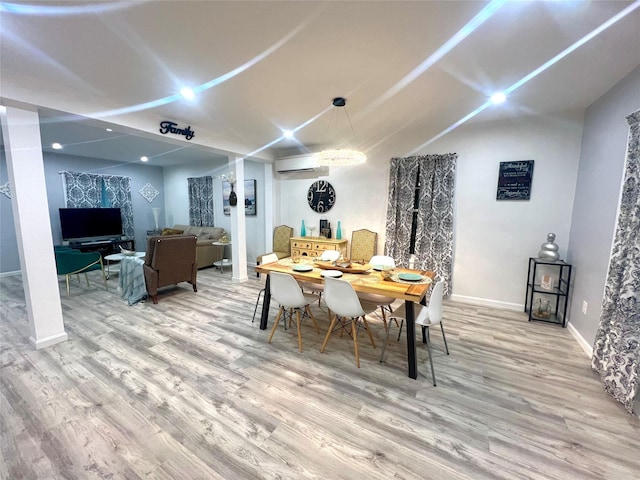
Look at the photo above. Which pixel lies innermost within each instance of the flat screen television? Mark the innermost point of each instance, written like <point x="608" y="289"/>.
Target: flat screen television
<point x="90" y="223"/>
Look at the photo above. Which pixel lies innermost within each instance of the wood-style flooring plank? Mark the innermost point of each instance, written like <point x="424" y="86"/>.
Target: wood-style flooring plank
<point x="190" y="388"/>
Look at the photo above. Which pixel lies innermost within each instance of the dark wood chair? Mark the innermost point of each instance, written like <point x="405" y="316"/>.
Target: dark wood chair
<point x="170" y="259"/>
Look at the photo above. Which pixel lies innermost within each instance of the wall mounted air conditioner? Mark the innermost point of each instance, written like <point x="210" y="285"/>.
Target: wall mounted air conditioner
<point x="299" y="164"/>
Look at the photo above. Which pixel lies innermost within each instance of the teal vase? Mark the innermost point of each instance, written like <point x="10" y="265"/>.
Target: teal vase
<point x="303" y="230"/>
<point x="339" y="232"/>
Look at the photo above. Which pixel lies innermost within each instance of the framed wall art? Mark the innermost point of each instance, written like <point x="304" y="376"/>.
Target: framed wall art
<point x="250" y="204"/>
<point x="514" y="180"/>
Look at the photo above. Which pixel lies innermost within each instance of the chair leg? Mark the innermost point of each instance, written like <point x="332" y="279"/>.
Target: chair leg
<point x="384" y="317"/>
<point x="86" y="277"/>
<point x="433" y="373"/>
<point x="256" y="309"/>
<point x="331" y="327"/>
<point x="366" y="326"/>
<point x="400" y="331"/>
<point x="298" y="321"/>
<point x="354" y="332"/>
<point x="386" y="340"/>
<point x="275" y="323"/>
<point x="67" y="277"/>
<point x="313" y="319"/>
<point x="446" y="347"/>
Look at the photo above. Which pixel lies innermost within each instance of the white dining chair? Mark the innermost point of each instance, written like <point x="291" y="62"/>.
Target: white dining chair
<point x="286" y="291"/>
<point x="318" y="288"/>
<point x="347" y="312"/>
<point x="425" y="317"/>
<point x="268" y="258"/>
<point x="383" y="302"/>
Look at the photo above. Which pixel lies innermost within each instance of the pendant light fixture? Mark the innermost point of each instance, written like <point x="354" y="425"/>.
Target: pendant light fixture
<point x="338" y="157"/>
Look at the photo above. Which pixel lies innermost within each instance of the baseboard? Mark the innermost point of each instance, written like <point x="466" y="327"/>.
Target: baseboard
<point x="51" y="340"/>
<point x="11" y="274"/>
<point x="483" y="302"/>
<point x="588" y="349"/>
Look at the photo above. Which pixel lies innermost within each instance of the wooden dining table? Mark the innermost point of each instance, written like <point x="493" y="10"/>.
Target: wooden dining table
<point x="370" y="281"/>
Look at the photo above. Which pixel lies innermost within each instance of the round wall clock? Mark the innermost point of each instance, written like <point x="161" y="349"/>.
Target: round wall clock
<point x="321" y="196"/>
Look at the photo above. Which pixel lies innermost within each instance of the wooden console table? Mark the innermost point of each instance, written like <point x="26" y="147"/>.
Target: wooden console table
<point x="313" y="247"/>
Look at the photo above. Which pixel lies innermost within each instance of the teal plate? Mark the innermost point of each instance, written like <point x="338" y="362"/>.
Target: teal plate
<point x="410" y="277"/>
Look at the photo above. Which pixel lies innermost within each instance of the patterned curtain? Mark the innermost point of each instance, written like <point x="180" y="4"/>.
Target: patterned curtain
<point x="89" y="190"/>
<point x="201" y="201"/>
<point x="616" y="350"/>
<point x="435" y="176"/>
<point x="402" y="187"/>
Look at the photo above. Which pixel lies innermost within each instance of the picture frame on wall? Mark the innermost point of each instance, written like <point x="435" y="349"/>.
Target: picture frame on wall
<point x="250" y="202"/>
<point x="514" y="180"/>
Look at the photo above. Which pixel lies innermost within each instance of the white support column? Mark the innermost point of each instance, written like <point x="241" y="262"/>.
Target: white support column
<point x="269" y="202"/>
<point x="238" y="224"/>
<point x="25" y="165"/>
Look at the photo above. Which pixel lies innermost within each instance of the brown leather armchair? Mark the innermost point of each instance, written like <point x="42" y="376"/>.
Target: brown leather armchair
<point x="170" y="260"/>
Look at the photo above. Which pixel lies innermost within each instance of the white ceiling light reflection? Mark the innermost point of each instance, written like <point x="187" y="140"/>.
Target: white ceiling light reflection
<point x="287" y="133"/>
<point x="188" y="93"/>
<point x="144" y="159"/>
<point x="56" y="146"/>
<point x="498" y="98"/>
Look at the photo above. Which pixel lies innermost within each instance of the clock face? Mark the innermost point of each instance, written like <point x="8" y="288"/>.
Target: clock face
<point x="321" y="196"/>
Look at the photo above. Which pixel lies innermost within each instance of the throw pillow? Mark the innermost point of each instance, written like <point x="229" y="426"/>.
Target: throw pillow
<point x="172" y="231"/>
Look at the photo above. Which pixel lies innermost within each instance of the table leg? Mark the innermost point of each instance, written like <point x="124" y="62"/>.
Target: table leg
<point x="412" y="358"/>
<point x="266" y="300"/>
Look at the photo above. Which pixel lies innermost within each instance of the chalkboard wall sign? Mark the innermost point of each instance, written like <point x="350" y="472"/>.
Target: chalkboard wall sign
<point x="514" y="180"/>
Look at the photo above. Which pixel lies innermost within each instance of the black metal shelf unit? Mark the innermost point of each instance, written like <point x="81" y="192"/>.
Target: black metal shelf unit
<point x="554" y="308"/>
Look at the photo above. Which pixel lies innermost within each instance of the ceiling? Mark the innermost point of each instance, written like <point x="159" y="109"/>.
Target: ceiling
<point x="409" y="71"/>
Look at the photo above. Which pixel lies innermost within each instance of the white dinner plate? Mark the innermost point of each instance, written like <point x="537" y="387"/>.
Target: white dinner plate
<point x="302" y="268"/>
<point x="331" y="273"/>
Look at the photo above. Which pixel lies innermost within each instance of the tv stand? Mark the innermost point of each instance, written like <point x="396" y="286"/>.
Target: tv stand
<point x="105" y="247"/>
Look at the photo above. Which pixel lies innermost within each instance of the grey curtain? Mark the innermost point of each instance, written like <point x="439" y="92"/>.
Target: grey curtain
<point x="434" y="177"/>
<point x="90" y="190"/>
<point x="201" y="201"/>
<point x="616" y="350"/>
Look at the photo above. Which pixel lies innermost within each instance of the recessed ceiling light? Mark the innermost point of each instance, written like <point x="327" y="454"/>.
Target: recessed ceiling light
<point x="287" y="133"/>
<point x="109" y="129"/>
<point x="498" y="98"/>
<point x="56" y="146"/>
<point x="144" y="159"/>
<point x="187" y="93"/>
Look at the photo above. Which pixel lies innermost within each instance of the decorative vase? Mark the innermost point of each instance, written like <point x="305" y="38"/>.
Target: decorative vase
<point x="549" y="250"/>
<point x="303" y="230"/>
<point x="339" y="232"/>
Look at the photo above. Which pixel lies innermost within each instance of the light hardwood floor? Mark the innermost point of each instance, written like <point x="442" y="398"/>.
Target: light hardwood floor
<point x="190" y="389"/>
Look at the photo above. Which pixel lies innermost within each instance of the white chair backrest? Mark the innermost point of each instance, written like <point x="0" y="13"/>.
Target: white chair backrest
<point x="269" y="258"/>
<point x="434" y="308"/>
<point x="286" y="291"/>
<point x="330" y="255"/>
<point x="341" y="298"/>
<point x="383" y="260"/>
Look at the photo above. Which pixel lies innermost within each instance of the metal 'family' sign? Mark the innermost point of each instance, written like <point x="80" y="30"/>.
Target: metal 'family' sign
<point x="172" y="127"/>
<point x="514" y="180"/>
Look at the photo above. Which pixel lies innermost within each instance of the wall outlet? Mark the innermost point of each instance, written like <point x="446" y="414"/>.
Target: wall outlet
<point x="584" y="307"/>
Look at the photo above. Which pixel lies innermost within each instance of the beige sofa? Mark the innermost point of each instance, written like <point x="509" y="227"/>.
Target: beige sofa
<point x="206" y="253"/>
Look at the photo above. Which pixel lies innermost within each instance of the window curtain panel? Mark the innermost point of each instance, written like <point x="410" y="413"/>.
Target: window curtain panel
<point x="616" y="349"/>
<point x="89" y="190"/>
<point x="201" y="201"/>
<point x="435" y="176"/>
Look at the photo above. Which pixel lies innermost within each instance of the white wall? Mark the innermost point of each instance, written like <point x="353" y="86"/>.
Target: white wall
<point x="600" y="174"/>
<point x="176" y="208"/>
<point x="493" y="239"/>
